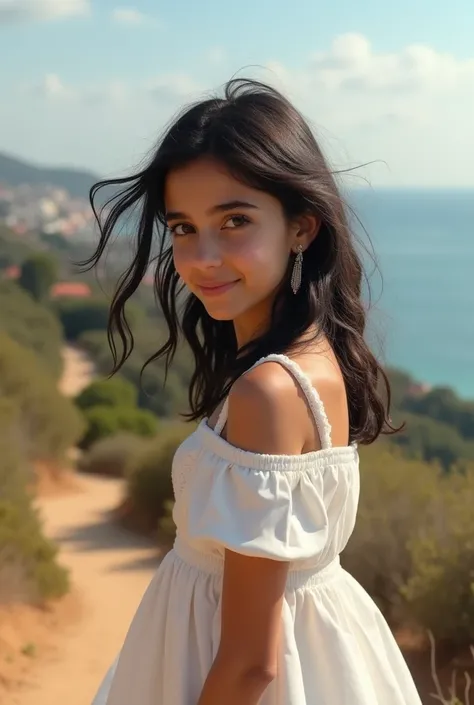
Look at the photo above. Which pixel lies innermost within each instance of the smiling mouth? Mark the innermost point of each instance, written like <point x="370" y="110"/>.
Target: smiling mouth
<point x="216" y="289"/>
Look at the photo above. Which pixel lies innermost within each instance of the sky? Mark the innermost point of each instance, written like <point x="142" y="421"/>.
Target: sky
<point x="92" y="83"/>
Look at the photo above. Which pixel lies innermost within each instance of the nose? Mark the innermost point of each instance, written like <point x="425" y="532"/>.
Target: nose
<point x="208" y="252"/>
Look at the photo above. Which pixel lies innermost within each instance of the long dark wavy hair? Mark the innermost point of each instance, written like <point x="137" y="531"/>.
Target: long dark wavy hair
<point x="264" y="142"/>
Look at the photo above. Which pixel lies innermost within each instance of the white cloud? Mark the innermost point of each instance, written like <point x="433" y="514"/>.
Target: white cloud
<point x="13" y="11"/>
<point x="410" y="110"/>
<point x="53" y="86"/>
<point x="350" y="63"/>
<point x="131" y="17"/>
<point x="168" y="89"/>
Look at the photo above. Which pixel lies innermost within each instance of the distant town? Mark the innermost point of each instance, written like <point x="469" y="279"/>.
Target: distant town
<point x="37" y="201"/>
<point x="47" y="209"/>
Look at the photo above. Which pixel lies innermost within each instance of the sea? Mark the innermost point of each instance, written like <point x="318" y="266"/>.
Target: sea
<point x="422" y="290"/>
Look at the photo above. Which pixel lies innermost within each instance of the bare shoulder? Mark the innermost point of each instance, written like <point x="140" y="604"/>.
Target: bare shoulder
<point x="260" y="411"/>
<point x="269" y="413"/>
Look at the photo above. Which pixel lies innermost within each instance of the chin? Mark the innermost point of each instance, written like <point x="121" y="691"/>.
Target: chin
<point x="222" y="311"/>
<point x="219" y="314"/>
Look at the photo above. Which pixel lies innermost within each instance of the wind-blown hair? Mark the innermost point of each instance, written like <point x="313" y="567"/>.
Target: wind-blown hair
<point x="265" y="143"/>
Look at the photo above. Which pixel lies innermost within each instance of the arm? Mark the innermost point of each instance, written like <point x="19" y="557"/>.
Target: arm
<point x="253" y="588"/>
<point x="246" y="662"/>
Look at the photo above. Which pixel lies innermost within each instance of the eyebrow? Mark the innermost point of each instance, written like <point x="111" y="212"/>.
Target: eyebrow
<point x="219" y="208"/>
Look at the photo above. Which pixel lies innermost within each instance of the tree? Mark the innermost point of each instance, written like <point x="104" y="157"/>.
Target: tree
<point x="38" y="274"/>
<point x="80" y="316"/>
<point x="108" y="392"/>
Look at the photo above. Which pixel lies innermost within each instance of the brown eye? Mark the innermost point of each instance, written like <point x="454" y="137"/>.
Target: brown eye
<point x="236" y="221"/>
<point x="181" y="229"/>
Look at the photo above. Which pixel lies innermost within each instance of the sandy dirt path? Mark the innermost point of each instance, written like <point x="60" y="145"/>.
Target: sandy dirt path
<point x="111" y="569"/>
<point x="78" y="371"/>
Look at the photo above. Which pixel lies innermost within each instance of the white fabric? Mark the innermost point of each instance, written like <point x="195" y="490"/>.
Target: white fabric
<point x="336" y="648"/>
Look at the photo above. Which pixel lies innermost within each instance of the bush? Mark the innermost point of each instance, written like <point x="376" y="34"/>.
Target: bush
<point x="396" y="497"/>
<point x="31" y="325"/>
<point x="103" y="421"/>
<point x="440" y="590"/>
<point x="28" y="568"/>
<point x="112" y="455"/>
<point x="427" y="439"/>
<point x="47" y="422"/>
<point x="108" y="392"/>
<point x="149" y="485"/>
<point x="443" y="404"/>
<point x="164" y="398"/>
<point x="413" y="544"/>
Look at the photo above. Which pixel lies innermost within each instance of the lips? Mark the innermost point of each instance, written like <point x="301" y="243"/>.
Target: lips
<point x="216" y="288"/>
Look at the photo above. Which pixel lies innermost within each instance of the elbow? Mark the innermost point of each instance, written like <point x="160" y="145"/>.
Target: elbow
<point x="258" y="673"/>
<point x="262" y="674"/>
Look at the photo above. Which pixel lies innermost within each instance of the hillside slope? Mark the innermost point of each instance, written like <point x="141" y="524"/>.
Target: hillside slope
<point x="14" y="172"/>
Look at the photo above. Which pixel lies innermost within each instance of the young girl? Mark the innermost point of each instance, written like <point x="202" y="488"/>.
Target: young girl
<point x="257" y="269"/>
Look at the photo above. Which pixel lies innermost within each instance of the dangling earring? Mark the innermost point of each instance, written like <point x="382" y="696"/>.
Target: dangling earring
<point x="297" y="270"/>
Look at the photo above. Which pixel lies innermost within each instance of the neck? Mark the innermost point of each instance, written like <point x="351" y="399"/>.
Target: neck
<point x="248" y="328"/>
<point x="254" y="322"/>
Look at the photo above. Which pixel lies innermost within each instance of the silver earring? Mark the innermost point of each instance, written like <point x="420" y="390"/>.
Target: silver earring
<point x="297" y="270"/>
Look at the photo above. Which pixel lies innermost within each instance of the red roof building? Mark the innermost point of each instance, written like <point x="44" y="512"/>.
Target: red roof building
<point x="76" y="290"/>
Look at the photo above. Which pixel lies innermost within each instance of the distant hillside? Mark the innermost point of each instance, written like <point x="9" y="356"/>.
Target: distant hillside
<point x="15" y="172"/>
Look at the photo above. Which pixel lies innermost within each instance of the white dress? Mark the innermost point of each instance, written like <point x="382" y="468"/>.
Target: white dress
<point x="336" y="648"/>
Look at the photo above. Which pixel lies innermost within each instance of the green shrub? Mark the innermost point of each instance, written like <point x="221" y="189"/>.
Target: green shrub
<point x="108" y="392"/>
<point x="396" y="497"/>
<point x="443" y="404"/>
<point x="31" y="325"/>
<point x="112" y="455"/>
<point x="149" y="486"/>
<point x="38" y="273"/>
<point x="28" y="568"/>
<point x="166" y="398"/>
<point x="428" y="439"/>
<point x="440" y="590"/>
<point x="47" y="422"/>
<point x="15" y="471"/>
<point x="103" y="421"/>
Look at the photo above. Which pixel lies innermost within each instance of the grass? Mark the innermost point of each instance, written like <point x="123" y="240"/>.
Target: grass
<point x="29" y="650"/>
<point x="452" y="698"/>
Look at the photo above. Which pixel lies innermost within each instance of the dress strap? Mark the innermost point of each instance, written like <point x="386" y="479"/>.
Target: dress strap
<point x="314" y="400"/>
<point x="222" y="418"/>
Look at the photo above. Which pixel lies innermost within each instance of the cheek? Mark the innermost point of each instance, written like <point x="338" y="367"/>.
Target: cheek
<point x="264" y="256"/>
<point x="181" y="260"/>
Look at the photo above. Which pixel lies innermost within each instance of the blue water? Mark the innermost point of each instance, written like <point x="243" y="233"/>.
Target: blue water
<point x="424" y="298"/>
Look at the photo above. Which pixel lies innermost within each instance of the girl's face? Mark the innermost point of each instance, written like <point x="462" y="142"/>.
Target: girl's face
<point x="231" y="243"/>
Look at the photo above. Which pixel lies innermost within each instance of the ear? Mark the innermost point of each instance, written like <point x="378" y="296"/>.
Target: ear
<point x="305" y="229"/>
